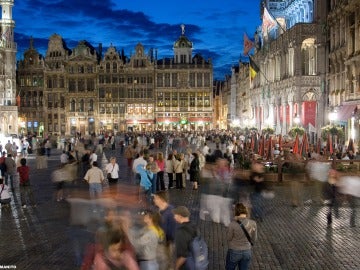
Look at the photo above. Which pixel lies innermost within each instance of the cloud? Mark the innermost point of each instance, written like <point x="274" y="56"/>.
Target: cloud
<point x="215" y="32"/>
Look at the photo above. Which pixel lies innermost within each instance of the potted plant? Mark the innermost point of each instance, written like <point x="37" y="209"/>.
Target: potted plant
<point x="332" y="130"/>
<point x="296" y="130"/>
<point x="268" y="130"/>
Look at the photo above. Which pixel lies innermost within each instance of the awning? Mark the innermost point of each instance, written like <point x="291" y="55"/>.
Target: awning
<point x="345" y="112"/>
<point x="140" y="121"/>
<point x="167" y="119"/>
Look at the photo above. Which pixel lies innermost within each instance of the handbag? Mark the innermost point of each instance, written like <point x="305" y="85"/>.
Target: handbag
<point x="246" y="233"/>
<point x="108" y="176"/>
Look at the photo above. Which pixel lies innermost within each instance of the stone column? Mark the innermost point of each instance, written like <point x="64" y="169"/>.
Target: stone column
<point x="284" y="125"/>
<point x="291" y="112"/>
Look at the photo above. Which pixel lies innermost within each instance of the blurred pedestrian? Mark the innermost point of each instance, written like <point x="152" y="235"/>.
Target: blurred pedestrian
<point x="160" y="183"/>
<point x="5" y="198"/>
<point x="26" y="191"/>
<point x="154" y="169"/>
<point x="259" y="185"/>
<point x="150" y="241"/>
<point x="169" y="169"/>
<point x="10" y="173"/>
<point x="194" y="171"/>
<point x="184" y="234"/>
<point x="168" y="224"/>
<point x="114" y="255"/>
<point x="112" y="170"/>
<point x="95" y="177"/>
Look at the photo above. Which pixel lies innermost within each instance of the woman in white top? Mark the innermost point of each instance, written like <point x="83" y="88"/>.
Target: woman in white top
<point x="112" y="170"/>
<point x="4" y="193"/>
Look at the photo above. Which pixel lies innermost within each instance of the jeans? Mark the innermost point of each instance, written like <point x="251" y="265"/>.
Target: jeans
<point x="26" y="192"/>
<point x="10" y="177"/>
<point x="257" y="211"/>
<point x="240" y="258"/>
<point x="148" y="265"/>
<point x="95" y="190"/>
<point x="154" y="183"/>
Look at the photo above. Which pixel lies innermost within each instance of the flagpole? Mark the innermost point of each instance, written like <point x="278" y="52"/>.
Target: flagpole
<point x="260" y="71"/>
<point x="275" y="20"/>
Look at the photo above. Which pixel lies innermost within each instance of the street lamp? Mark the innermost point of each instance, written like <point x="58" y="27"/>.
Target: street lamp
<point x="332" y="116"/>
<point x="296" y="119"/>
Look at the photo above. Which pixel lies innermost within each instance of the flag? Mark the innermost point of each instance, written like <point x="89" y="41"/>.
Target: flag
<point x="248" y="44"/>
<point x="268" y="22"/>
<point x="296" y="145"/>
<point x="254" y="69"/>
<point x="18" y="100"/>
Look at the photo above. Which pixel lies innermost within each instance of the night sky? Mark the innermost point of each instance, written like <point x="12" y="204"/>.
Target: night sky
<point x="215" y="27"/>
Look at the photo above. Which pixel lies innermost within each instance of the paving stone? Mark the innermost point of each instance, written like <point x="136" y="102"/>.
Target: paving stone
<point x="288" y="238"/>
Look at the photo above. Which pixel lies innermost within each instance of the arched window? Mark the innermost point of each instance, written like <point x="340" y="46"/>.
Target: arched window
<point x="81" y="107"/>
<point x="91" y="105"/>
<point x="72" y="106"/>
<point x="62" y="102"/>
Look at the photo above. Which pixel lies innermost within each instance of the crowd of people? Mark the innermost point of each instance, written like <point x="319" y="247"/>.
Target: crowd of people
<point x="158" y="236"/>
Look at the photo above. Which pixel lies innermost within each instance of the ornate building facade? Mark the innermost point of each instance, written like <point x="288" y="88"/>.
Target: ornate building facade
<point x="81" y="90"/>
<point x="292" y="77"/>
<point x="184" y="90"/>
<point x="343" y="26"/>
<point x="8" y="108"/>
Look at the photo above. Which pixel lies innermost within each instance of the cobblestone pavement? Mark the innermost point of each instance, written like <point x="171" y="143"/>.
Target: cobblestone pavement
<point x="289" y="238"/>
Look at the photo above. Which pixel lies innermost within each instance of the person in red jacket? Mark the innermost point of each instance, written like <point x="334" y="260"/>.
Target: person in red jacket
<point x="25" y="187"/>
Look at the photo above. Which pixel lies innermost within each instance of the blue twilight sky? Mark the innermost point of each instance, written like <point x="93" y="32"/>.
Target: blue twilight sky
<point x="215" y="27"/>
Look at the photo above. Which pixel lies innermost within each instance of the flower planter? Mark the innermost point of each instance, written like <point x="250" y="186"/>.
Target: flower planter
<point x="271" y="177"/>
<point x="291" y="177"/>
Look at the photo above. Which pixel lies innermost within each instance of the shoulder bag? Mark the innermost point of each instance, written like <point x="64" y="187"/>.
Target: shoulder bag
<point x="246" y="233"/>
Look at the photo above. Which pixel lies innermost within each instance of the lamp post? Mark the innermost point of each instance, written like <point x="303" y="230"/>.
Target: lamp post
<point x="332" y="117"/>
<point x="297" y="119"/>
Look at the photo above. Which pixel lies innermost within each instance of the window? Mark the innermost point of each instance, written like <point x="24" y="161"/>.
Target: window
<point x="159" y="80"/>
<point x="199" y="79"/>
<point x="174" y="99"/>
<point x="72" y="106"/>
<point x="62" y="102"/>
<point x="192" y="99"/>
<point x="72" y="85"/>
<point x="174" y="79"/>
<point x="192" y="79"/>
<point x="167" y="79"/>
<point x="91" y="105"/>
<point x="81" y="85"/>
<point x="81" y="105"/>
<point x="90" y="84"/>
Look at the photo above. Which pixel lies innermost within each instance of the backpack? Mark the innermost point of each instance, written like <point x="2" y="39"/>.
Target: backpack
<point x="198" y="258"/>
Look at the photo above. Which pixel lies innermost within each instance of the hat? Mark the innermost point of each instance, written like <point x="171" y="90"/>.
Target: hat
<point x="181" y="211"/>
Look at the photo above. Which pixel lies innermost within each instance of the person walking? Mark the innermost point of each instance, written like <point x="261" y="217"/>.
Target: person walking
<point x="154" y="169"/>
<point x="26" y="191"/>
<point x="149" y="242"/>
<point x="241" y="234"/>
<point x="194" y="171"/>
<point x="160" y="184"/>
<point x="10" y="173"/>
<point x="184" y="234"/>
<point x="168" y="224"/>
<point x="179" y="170"/>
<point x="112" y="169"/>
<point x="136" y="162"/>
<point x="95" y="177"/>
<point x="5" y="198"/>
<point x="169" y="169"/>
